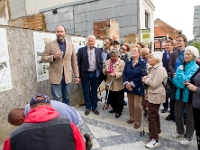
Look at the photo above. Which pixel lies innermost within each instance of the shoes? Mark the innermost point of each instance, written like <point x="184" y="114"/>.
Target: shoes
<point x="87" y="112"/>
<point x="130" y="121"/>
<point x="176" y="135"/>
<point x="169" y="117"/>
<point x="99" y="98"/>
<point x="125" y="103"/>
<point x="185" y="141"/>
<point x="152" y="144"/>
<point x="105" y="106"/>
<point x="95" y="112"/>
<point x="117" y="115"/>
<point x="81" y="103"/>
<point x="136" y="126"/>
<point x="88" y="141"/>
<point x="111" y="111"/>
<point x="164" y="110"/>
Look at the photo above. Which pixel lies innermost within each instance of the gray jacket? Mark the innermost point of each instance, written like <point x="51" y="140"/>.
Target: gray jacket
<point x="194" y="97"/>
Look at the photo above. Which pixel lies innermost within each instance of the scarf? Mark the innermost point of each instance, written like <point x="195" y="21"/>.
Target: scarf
<point x="111" y="65"/>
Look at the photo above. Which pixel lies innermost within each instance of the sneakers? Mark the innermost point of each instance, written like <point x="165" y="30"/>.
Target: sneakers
<point x="185" y="141"/>
<point x="88" y="141"/>
<point x="152" y="144"/>
<point x="176" y="135"/>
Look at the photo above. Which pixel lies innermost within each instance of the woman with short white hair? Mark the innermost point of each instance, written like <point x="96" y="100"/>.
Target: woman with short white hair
<point x="182" y="77"/>
<point x="155" y="80"/>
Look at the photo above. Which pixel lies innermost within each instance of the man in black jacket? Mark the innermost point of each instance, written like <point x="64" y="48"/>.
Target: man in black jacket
<point x="176" y="59"/>
<point x="90" y="65"/>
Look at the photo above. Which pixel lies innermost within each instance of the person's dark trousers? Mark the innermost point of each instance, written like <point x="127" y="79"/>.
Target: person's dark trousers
<point x="196" y="116"/>
<point x="179" y="108"/>
<point x="172" y="105"/>
<point x="154" y="121"/>
<point x="62" y="89"/>
<point x="165" y="105"/>
<point x="90" y="91"/>
<point x="116" y="99"/>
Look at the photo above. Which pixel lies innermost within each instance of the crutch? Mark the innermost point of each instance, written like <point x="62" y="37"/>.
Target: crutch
<point x="142" y="132"/>
<point x="109" y="85"/>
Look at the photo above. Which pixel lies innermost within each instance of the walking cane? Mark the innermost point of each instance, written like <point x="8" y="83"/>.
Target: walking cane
<point x="109" y="85"/>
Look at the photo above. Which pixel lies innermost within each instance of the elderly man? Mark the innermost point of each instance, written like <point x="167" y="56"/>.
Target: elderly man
<point x="144" y="53"/>
<point x="62" y="57"/>
<point x="43" y="123"/>
<point x="90" y="66"/>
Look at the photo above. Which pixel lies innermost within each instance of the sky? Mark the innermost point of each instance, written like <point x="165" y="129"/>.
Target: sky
<point x="177" y="13"/>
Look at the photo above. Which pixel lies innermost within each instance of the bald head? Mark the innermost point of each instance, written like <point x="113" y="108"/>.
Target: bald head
<point x="145" y="52"/>
<point x="16" y="116"/>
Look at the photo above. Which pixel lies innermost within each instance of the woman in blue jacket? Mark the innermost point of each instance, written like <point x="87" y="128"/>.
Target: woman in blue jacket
<point x="182" y="77"/>
<point x="134" y="70"/>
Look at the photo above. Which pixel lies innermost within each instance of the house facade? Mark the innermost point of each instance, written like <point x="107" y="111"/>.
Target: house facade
<point x="196" y="24"/>
<point x="79" y="16"/>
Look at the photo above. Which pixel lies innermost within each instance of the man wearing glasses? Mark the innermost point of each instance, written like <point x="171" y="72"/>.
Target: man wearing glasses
<point x="176" y="59"/>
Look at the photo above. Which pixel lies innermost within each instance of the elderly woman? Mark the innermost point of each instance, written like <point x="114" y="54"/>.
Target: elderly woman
<point x="155" y="80"/>
<point x="194" y="99"/>
<point x="183" y="75"/>
<point x="113" y="68"/>
<point x="134" y="70"/>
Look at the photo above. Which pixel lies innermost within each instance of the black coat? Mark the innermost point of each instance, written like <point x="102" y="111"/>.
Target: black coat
<point x="83" y="63"/>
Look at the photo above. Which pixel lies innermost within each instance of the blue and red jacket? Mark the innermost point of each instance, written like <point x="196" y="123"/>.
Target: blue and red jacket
<point x="44" y="129"/>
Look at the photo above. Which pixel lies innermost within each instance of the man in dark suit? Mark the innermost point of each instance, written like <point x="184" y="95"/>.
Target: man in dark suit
<point x="105" y="56"/>
<point x="90" y="66"/>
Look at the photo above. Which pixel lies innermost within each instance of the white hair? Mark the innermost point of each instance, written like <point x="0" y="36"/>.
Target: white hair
<point x="114" y="51"/>
<point x="158" y="56"/>
<point x="193" y="50"/>
<point x="92" y="37"/>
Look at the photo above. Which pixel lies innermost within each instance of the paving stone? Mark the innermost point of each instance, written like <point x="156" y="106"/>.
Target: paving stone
<point x="110" y="133"/>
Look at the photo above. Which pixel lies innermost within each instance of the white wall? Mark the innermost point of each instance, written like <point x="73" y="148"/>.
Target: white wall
<point x="145" y="5"/>
<point x="4" y="19"/>
<point x="33" y="6"/>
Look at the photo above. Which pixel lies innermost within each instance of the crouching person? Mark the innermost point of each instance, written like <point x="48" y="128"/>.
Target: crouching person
<point x="43" y="123"/>
<point x="157" y="76"/>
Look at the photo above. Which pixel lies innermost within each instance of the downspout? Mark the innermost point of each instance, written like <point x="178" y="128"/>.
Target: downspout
<point x="138" y="19"/>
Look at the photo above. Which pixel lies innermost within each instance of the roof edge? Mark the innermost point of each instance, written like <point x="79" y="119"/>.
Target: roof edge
<point x="66" y="5"/>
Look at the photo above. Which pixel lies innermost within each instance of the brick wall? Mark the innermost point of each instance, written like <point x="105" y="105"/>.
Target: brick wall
<point x="36" y="22"/>
<point x="33" y="6"/>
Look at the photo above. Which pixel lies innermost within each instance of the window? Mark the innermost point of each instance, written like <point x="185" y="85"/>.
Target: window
<point x="147" y="19"/>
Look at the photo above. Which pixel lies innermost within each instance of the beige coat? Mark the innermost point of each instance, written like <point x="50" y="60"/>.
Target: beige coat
<point x="117" y="84"/>
<point x="156" y="92"/>
<point x="56" y="67"/>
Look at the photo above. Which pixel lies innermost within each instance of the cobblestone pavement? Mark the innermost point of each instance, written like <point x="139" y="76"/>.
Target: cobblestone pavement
<point x="110" y="133"/>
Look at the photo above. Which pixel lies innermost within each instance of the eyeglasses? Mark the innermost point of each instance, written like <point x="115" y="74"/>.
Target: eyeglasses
<point x="179" y="40"/>
<point x="123" y="48"/>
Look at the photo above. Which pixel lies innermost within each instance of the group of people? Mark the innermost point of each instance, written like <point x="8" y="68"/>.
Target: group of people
<point x="142" y="75"/>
